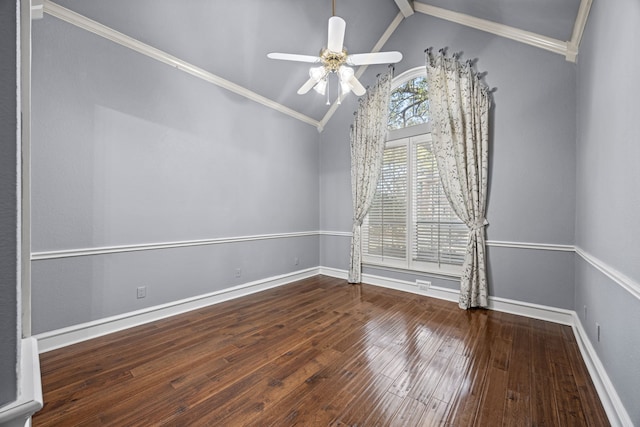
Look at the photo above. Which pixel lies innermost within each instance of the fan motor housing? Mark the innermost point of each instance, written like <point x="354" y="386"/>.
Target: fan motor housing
<point x="333" y="60"/>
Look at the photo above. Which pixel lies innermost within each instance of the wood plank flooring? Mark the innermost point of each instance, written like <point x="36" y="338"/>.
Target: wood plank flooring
<point x="320" y="352"/>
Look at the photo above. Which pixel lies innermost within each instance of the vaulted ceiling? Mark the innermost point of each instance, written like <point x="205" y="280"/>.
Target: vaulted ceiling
<point x="229" y="40"/>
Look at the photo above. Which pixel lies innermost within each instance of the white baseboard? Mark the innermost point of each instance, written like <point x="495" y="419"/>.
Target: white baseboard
<point x="616" y="412"/>
<point x="613" y="406"/>
<point x="536" y="311"/>
<point x="333" y="272"/>
<point x="52" y="340"/>
<point x="29" y="401"/>
<point x="403" y="285"/>
<point x="399" y="285"/>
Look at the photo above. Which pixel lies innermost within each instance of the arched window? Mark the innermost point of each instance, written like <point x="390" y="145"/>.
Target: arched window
<point x="409" y="104"/>
<point x="410" y="224"/>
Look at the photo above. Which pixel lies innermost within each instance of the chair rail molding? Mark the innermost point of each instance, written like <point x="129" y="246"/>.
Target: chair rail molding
<point x="621" y="279"/>
<point x="70" y="253"/>
<point x="534" y="246"/>
<point x="627" y="283"/>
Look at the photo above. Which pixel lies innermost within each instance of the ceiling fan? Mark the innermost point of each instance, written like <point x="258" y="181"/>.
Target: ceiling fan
<point x="334" y="59"/>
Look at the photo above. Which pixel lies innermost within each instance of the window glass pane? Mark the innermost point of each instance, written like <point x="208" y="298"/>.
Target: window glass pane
<point x="410" y="223"/>
<point x="440" y="237"/>
<point x="409" y="104"/>
<point x="385" y="230"/>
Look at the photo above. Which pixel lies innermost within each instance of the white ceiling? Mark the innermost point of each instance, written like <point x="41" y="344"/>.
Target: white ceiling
<point x="230" y="39"/>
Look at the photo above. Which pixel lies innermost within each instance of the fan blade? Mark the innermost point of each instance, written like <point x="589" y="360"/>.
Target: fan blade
<point x="374" y="58"/>
<point x="356" y="86"/>
<point x="293" y="57"/>
<point x="307" y="86"/>
<point x="337" y="27"/>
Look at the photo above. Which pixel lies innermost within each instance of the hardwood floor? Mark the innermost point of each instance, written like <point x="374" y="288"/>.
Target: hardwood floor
<point x="321" y="352"/>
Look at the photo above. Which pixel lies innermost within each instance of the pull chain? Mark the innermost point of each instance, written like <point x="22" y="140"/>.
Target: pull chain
<point x="334" y="8"/>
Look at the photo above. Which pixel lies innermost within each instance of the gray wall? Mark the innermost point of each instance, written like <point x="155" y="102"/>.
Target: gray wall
<point x="532" y="175"/>
<point x="608" y="199"/>
<point x="8" y="207"/>
<point x="129" y="151"/>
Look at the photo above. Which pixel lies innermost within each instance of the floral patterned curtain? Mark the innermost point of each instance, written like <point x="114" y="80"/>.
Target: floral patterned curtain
<point x="368" y="136"/>
<point x="459" y="110"/>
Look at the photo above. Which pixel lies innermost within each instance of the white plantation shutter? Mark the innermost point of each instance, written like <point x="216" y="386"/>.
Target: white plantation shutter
<point x="410" y="223"/>
<point x="385" y="227"/>
<point x="439" y="235"/>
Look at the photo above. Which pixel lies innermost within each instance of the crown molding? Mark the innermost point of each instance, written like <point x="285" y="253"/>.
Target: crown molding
<point x="512" y="33"/>
<point x="406" y="7"/>
<point x="578" y="30"/>
<point x="37" y="9"/>
<point x="108" y="33"/>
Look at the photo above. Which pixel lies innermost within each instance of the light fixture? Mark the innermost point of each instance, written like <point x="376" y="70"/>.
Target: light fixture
<point x="345" y="76"/>
<point x="321" y="86"/>
<point x="333" y="63"/>
<point x="335" y="60"/>
<point x="317" y="73"/>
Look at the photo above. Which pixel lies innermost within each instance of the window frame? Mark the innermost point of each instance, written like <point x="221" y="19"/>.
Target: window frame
<point x="408" y="137"/>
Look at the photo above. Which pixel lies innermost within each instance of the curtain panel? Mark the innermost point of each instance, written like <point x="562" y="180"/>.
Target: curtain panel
<point x="459" y="109"/>
<point x="368" y="136"/>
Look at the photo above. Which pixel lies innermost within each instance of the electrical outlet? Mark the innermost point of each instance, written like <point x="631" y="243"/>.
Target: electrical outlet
<point x="423" y="285"/>
<point x="296" y="261"/>
<point x="141" y="291"/>
<point x="238" y="273"/>
<point x="598" y="331"/>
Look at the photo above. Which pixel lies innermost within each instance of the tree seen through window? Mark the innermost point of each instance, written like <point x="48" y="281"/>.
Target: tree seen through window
<point x="409" y="104"/>
<point x="410" y="224"/>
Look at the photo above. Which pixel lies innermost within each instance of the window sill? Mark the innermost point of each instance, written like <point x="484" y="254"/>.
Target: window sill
<point x="446" y="274"/>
